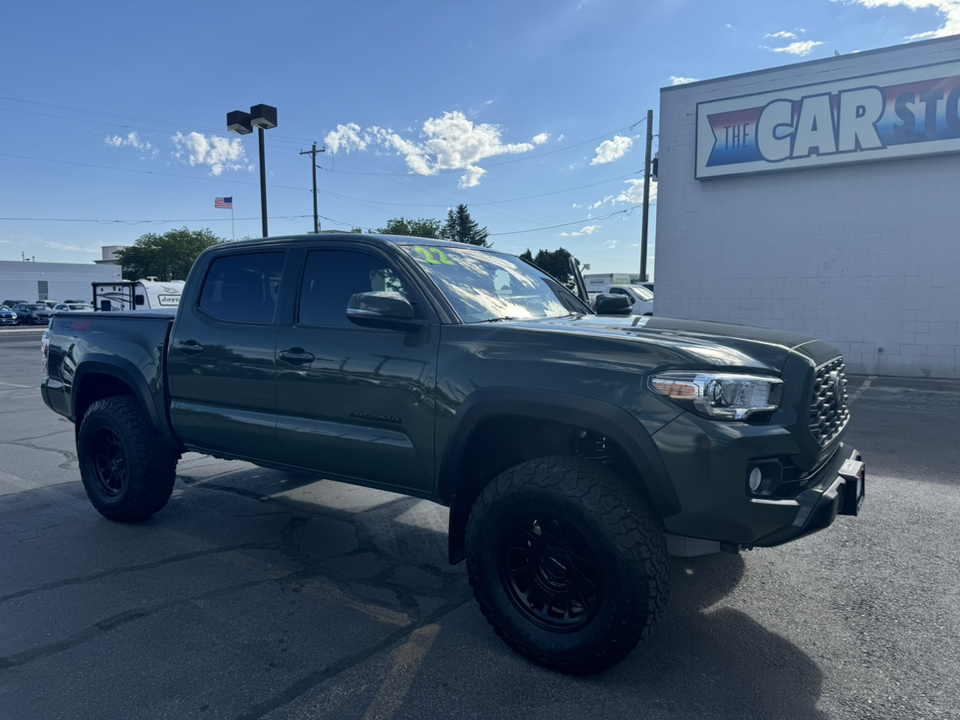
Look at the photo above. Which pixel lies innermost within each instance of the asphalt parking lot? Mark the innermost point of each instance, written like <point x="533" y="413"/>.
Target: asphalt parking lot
<point x="258" y="594"/>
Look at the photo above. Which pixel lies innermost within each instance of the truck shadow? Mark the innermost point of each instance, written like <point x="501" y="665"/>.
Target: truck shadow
<point x="708" y="658"/>
<point x="300" y="550"/>
<point x="703" y="659"/>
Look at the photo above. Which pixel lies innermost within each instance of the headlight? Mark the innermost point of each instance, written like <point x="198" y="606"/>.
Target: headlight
<point x="723" y="396"/>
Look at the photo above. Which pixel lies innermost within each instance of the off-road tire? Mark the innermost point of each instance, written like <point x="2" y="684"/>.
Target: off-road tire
<point x="605" y="545"/>
<point x="127" y="471"/>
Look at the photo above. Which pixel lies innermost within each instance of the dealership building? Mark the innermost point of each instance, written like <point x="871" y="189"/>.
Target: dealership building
<point x="821" y="197"/>
<point x="33" y="281"/>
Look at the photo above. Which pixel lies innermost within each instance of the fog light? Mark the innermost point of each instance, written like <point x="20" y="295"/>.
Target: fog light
<point x="756" y="477"/>
<point x="764" y="477"/>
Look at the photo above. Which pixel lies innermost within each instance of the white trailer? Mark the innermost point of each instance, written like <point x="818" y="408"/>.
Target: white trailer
<point x="126" y="295"/>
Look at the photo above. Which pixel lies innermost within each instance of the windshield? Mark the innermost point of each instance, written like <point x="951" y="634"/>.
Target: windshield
<point x="484" y="286"/>
<point x="35" y="307"/>
<point x="643" y="293"/>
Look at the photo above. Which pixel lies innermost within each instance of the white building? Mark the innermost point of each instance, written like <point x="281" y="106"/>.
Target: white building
<point x="52" y="281"/>
<point x="821" y="197"/>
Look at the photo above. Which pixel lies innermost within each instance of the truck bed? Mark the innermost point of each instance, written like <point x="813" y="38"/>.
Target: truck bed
<point x="128" y="345"/>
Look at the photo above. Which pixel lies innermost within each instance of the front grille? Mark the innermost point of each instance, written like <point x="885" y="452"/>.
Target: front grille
<point x="828" y="403"/>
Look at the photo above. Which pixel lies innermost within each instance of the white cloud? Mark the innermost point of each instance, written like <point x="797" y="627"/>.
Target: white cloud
<point x="782" y="34"/>
<point x="451" y="142"/>
<point x="801" y="48"/>
<point x="588" y="230"/>
<point x="677" y="80"/>
<point x="633" y="195"/>
<point x="216" y="152"/>
<point x="131" y="140"/>
<point x="347" y="137"/>
<point x="611" y="150"/>
<point x="611" y="244"/>
<point x="949" y="9"/>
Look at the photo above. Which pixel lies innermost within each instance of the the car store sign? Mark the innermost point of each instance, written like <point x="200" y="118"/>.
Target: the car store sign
<point x="872" y="117"/>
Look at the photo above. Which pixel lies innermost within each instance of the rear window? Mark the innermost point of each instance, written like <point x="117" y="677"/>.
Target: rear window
<point x="243" y="288"/>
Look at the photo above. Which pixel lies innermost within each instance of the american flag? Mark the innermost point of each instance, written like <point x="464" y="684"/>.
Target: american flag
<point x="225" y="203"/>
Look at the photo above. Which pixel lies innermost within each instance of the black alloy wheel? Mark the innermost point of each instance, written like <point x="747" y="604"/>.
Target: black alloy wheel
<point x="127" y="469"/>
<point x="109" y="462"/>
<point x="551" y="572"/>
<point x="568" y="565"/>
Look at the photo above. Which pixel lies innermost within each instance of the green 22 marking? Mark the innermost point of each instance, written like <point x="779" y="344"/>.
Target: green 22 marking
<point x="428" y="255"/>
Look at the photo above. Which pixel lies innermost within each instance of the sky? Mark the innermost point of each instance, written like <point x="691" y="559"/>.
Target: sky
<point x="531" y="113"/>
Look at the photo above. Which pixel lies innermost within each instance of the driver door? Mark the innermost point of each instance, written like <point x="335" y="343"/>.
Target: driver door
<point x="355" y="402"/>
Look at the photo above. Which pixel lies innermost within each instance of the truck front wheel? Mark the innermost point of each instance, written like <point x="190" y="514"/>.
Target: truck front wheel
<point x="127" y="471"/>
<point x="567" y="563"/>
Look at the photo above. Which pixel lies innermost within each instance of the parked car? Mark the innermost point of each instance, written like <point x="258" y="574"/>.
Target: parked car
<point x="574" y="451"/>
<point x="13" y="303"/>
<point x="7" y="316"/>
<point x="73" y="307"/>
<point x="33" y="314"/>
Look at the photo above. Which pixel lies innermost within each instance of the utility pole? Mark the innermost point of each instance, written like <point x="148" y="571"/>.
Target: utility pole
<point x="646" y="199"/>
<point x="313" y="156"/>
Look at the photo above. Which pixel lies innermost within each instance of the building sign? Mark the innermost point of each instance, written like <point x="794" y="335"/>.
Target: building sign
<point x="874" y="117"/>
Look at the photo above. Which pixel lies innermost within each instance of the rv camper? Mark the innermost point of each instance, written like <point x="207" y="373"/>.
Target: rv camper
<point x="125" y="295"/>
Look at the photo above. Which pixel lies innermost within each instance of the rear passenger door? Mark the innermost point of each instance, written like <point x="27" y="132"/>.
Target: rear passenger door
<point x="355" y="402"/>
<point x="221" y="360"/>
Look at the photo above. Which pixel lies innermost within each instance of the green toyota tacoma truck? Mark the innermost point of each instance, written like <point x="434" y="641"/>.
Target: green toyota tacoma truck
<point x="575" y="452"/>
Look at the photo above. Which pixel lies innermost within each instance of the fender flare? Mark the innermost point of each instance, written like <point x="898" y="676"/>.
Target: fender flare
<point x="596" y="415"/>
<point x="130" y="374"/>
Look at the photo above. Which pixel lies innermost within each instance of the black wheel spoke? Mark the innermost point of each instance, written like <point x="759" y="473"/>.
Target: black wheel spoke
<point x="109" y="465"/>
<point x="549" y="570"/>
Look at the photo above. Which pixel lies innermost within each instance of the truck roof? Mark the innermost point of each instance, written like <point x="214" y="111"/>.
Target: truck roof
<point x="340" y="236"/>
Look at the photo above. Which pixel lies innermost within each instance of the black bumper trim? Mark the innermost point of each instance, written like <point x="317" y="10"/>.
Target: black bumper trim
<point x="835" y="494"/>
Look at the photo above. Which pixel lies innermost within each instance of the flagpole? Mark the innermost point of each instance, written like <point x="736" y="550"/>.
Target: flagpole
<point x="233" y="228"/>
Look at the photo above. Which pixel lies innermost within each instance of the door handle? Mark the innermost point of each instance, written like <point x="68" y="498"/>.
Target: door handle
<point x="296" y="356"/>
<point x="190" y="347"/>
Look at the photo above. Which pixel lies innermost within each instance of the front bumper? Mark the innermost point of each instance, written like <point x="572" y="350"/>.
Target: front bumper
<point x="839" y="489"/>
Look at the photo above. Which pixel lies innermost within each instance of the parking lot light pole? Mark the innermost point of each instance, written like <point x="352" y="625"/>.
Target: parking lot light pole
<point x="262" y="117"/>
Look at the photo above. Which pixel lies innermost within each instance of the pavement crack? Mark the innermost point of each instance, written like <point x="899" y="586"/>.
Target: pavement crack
<point x="135" y="568"/>
<point x="317" y="677"/>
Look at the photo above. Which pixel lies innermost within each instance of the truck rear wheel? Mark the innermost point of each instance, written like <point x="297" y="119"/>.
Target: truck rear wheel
<point x="567" y="563"/>
<point x="127" y="471"/>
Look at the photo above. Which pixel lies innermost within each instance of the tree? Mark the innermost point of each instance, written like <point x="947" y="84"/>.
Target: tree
<point x="460" y="227"/>
<point x="555" y="263"/>
<point x="168" y="257"/>
<point x="423" y="227"/>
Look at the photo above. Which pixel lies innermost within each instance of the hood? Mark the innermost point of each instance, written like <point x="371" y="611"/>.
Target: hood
<point x="698" y="342"/>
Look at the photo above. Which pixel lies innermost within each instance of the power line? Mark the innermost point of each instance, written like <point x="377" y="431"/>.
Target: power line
<point x="625" y="211"/>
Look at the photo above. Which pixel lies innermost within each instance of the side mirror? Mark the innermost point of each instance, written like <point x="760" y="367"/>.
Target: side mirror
<point x="383" y="309"/>
<point x="612" y="305"/>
